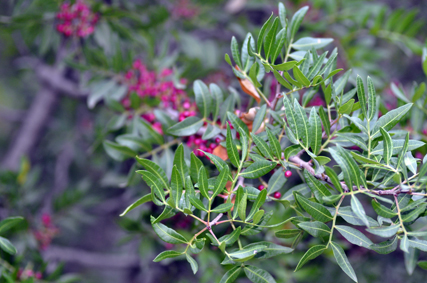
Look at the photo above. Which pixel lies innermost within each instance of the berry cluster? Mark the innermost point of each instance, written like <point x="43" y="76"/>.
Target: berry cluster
<point x="197" y="143"/>
<point x="76" y="20"/>
<point x="45" y="235"/>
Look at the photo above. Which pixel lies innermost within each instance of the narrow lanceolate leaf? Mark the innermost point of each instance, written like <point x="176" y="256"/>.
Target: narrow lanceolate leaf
<point x="222" y="208"/>
<point x="179" y="161"/>
<point x="312" y="253"/>
<point x="282" y="15"/>
<point x="231" y="238"/>
<point x="241" y="208"/>
<point x="372" y="99"/>
<point x="390" y="119"/>
<point x="176" y="186"/>
<point x="258" y="275"/>
<point x="351" y="165"/>
<point x="316" y="210"/>
<point x="220" y="182"/>
<point x="309" y="43"/>
<point x="315" y="136"/>
<point x="154" y="169"/>
<point x="232" y="152"/>
<point x="7" y="246"/>
<point x="187" y="127"/>
<point x="343" y="261"/>
<point x="296" y="21"/>
<point x="325" y="121"/>
<point x="137" y="203"/>
<point x="418" y="244"/>
<point x="319" y="190"/>
<point x="261" y="34"/>
<point x="354" y="236"/>
<point x="385" y="231"/>
<point x="404" y="244"/>
<point x="203" y="97"/>
<point x="383" y="211"/>
<point x="361" y="95"/>
<point x="280" y="42"/>
<point x="192" y="262"/>
<point x="334" y="178"/>
<point x="413" y="215"/>
<point x="316" y="67"/>
<point x="349" y="169"/>
<point x="303" y="127"/>
<point x="291" y="116"/>
<point x="300" y="77"/>
<point x="315" y="228"/>
<point x="217" y="99"/>
<point x="235" y="52"/>
<point x="259" y="118"/>
<point x="231" y="275"/>
<point x="358" y="209"/>
<point x="388" y="146"/>
<point x="9" y="222"/>
<point x="386" y="247"/>
<point x="154" y="183"/>
<point x="167" y="234"/>
<point x="287" y="234"/>
<point x="349" y="216"/>
<point x="166" y="254"/>
<point x="274" y="144"/>
<point x="258" y="169"/>
<point x="203" y="183"/>
<point x="276" y="182"/>
<point x="257" y="204"/>
<point x="195" y="166"/>
<point x="197" y="203"/>
<point x="262" y="146"/>
<point x="246" y="253"/>
<point x="270" y="38"/>
<point x="423" y="171"/>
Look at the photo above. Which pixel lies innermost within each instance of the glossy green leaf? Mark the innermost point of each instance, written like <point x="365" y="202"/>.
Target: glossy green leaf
<point x="303" y="127"/>
<point x="241" y="206"/>
<point x="166" y="254"/>
<point x="235" y="52"/>
<point x="382" y="210"/>
<point x="270" y="38"/>
<point x="261" y="34"/>
<point x="137" y="203"/>
<point x="203" y="97"/>
<point x="276" y="182"/>
<point x="316" y="228"/>
<point x="9" y="222"/>
<point x="231" y="275"/>
<point x="358" y="209"/>
<point x="288" y="233"/>
<point x="418" y="244"/>
<point x="354" y="236"/>
<point x="312" y="253"/>
<point x="197" y="203"/>
<point x="307" y="43"/>
<point x="385" y="231"/>
<point x="192" y="262"/>
<point x="258" y="275"/>
<point x="315" y="136"/>
<point x="188" y="127"/>
<point x="270" y="249"/>
<point x="390" y="119"/>
<point x="316" y="210"/>
<point x="388" y="146"/>
<point x="203" y="183"/>
<point x="257" y="204"/>
<point x="246" y="253"/>
<point x="195" y="166"/>
<point x="259" y="118"/>
<point x="398" y="146"/>
<point x="262" y="146"/>
<point x="274" y="144"/>
<point x="176" y="186"/>
<point x="361" y="95"/>
<point x="325" y="121"/>
<point x="300" y="77"/>
<point x="386" y="247"/>
<point x="167" y="234"/>
<point x="372" y="99"/>
<point x="319" y="190"/>
<point x="334" y="178"/>
<point x="258" y="169"/>
<point x="296" y="21"/>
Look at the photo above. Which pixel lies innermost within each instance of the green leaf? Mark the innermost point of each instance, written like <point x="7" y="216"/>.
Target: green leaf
<point x="262" y="33"/>
<point x="385" y="231"/>
<point x="258" y="169"/>
<point x="383" y="211"/>
<point x="276" y="182"/>
<point x="274" y="144"/>
<point x="166" y="254"/>
<point x="154" y="183"/>
<point x="354" y="236"/>
<point x="372" y="100"/>
<point x="246" y="254"/>
<point x="418" y="244"/>
<point x="398" y="146"/>
<point x="413" y="215"/>
<point x="258" y="275"/>
<point x="188" y="127"/>
<point x="198" y="203"/>
<point x="347" y="107"/>
<point x="118" y="152"/>
<point x="386" y="247"/>
<point x="325" y="121"/>
<point x="419" y="92"/>
<point x="137" y="203"/>
<point x="285" y="66"/>
<point x="288" y="233"/>
<point x="390" y="119"/>
<point x="231" y="238"/>
<point x="259" y="118"/>
<point x="233" y="153"/>
<point x="262" y="146"/>
<point x="300" y="77"/>
<point x="9" y="222"/>
<point x="195" y="166"/>
<point x="423" y="264"/>
<point x="167" y="234"/>
<point x="282" y="15"/>
<point x="231" y="275"/>
<point x="166" y="213"/>
<point x="156" y="170"/>
<point x="270" y="249"/>
<point x="349" y="216"/>
<point x="257" y="204"/>
<point x="280" y="42"/>
<point x="227" y="59"/>
<point x="361" y="95"/>
<point x="176" y="186"/>
<point x="404" y="245"/>
<point x="315" y="136"/>
<point x="308" y="43"/>
<point x="258" y="216"/>
<point x="203" y="183"/>
<point x="319" y="190"/>
<point x="270" y="38"/>
<point x="180" y="162"/>
<point x="192" y="262"/>
<point x="303" y="127"/>
<point x="316" y="229"/>
<point x="203" y="97"/>
<point x="291" y="116"/>
<point x="241" y="207"/>
<point x="315" y="69"/>
<point x="421" y="173"/>
<point x="7" y="246"/>
<point x="343" y="261"/>
<point x="237" y="122"/>
<point x="296" y="22"/>
<point x="358" y="209"/>
<point x="316" y="210"/>
<point x="235" y="52"/>
<point x="334" y="178"/>
<point x="312" y="253"/>
<point x="220" y="182"/>
<point x="350" y="170"/>
<point x="388" y="146"/>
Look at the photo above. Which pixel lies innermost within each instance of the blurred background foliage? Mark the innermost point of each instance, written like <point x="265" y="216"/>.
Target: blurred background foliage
<point x="59" y="100"/>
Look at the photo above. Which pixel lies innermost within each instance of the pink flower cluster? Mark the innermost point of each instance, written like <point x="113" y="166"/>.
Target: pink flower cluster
<point x="76" y="20"/>
<point x="45" y="235"/>
<point x="183" y="9"/>
<point x="28" y="273"/>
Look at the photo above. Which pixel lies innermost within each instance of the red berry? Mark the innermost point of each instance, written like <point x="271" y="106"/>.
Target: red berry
<point x="217" y="140"/>
<point x="46" y="219"/>
<point x="288" y="174"/>
<point x="213" y="145"/>
<point x="261" y="187"/>
<point x="277" y="195"/>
